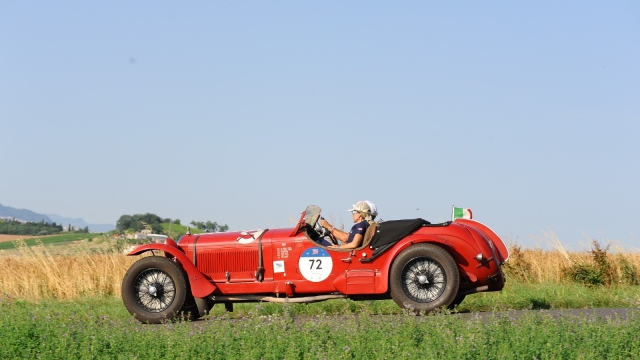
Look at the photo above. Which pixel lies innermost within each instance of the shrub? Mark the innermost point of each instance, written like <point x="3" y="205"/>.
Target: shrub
<point x="518" y="267"/>
<point x="585" y="274"/>
<point x="599" y="271"/>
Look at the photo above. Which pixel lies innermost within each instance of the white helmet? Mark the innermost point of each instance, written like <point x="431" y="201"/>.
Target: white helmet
<point x="373" y="207"/>
<point x="366" y="207"/>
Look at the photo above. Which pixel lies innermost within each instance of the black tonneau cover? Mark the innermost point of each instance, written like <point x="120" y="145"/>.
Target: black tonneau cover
<point x="390" y="232"/>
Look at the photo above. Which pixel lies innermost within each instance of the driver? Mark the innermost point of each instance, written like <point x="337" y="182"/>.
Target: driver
<point x="363" y="214"/>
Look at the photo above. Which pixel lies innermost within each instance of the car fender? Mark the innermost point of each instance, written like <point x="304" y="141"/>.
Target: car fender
<point x="459" y="250"/>
<point x="501" y="248"/>
<point x="200" y="286"/>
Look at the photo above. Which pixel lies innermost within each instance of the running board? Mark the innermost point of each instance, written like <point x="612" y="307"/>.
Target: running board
<point x="258" y="298"/>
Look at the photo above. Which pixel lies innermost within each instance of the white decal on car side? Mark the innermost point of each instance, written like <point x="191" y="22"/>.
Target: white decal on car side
<point x="247" y="237"/>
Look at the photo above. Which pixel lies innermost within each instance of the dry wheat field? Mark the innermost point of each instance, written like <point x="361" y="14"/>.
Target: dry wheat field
<point x="4" y="237"/>
<point x="35" y="273"/>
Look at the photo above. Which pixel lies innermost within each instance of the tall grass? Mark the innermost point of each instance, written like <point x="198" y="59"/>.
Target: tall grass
<point x="598" y="265"/>
<point x="36" y="274"/>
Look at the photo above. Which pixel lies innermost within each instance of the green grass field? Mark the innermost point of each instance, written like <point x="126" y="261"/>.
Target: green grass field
<point x="101" y="328"/>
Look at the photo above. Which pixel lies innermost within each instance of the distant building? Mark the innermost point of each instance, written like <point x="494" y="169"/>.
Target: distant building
<point x="11" y="218"/>
<point x="147" y="235"/>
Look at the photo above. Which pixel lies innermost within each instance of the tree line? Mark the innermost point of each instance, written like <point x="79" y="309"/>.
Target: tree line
<point x="209" y="226"/>
<point x="138" y="222"/>
<point x="14" y="227"/>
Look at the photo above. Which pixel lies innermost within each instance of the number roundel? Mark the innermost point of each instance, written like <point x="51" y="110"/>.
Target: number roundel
<point x="315" y="264"/>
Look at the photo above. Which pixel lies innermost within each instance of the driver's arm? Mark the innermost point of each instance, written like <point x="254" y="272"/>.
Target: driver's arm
<point x="338" y="234"/>
<point x="357" y="240"/>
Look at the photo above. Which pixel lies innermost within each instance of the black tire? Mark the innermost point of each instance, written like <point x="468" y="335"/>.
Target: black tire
<point x="457" y="301"/>
<point x="154" y="289"/>
<point x="424" y="277"/>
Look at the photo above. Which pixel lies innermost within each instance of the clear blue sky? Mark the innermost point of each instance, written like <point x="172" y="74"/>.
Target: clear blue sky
<point x="245" y="112"/>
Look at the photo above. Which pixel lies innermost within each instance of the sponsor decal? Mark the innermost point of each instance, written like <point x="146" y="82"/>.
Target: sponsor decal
<point x="247" y="237"/>
<point x="278" y="266"/>
<point x="315" y="264"/>
<point x="283" y="253"/>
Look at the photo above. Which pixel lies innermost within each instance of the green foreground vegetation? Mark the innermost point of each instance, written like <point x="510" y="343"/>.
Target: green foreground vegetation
<point x="102" y="328"/>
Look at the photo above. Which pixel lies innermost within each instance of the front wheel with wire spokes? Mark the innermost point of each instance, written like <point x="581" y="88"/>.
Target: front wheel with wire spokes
<point x="154" y="289"/>
<point x="424" y="277"/>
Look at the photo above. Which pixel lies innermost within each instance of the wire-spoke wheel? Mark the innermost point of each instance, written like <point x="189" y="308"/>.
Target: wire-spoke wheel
<point x="424" y="277"/>
<point x="154" y="289"/>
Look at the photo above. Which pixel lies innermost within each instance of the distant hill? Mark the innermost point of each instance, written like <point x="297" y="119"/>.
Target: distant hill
<point x="80" y="223"/>
<point x="23" y="214"/>
<point x="28" y="215"/>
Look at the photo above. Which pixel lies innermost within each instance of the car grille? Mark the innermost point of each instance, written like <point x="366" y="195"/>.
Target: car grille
<point x="232" y="261"/>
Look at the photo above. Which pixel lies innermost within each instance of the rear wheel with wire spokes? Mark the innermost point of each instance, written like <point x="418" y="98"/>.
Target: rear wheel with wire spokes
<point x="154" y="289"/>
<point x="424" y="277"/>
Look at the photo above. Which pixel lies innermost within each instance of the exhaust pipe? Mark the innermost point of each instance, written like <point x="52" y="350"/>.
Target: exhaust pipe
<point x="474" y="290"/>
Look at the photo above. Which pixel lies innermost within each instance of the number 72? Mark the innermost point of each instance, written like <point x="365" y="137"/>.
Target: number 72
<point x="312" y="261"/>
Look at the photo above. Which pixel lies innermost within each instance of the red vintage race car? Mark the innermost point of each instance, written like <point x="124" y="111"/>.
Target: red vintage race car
<point x="421" y="266"/>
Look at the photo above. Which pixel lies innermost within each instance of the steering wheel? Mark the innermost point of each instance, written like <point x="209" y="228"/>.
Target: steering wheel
<point x="319" y="228"/>
<point x="323" y="232"/>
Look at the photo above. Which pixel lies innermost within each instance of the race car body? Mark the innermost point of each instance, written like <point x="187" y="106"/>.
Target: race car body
<point x="421" y="266"/>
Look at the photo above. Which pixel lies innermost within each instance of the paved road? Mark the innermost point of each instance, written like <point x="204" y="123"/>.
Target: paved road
<point x="595" y="314"/>
<point x="578" y="314"/>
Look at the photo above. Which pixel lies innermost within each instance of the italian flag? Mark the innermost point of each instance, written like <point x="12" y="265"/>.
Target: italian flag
<point x="461" y="213"/>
